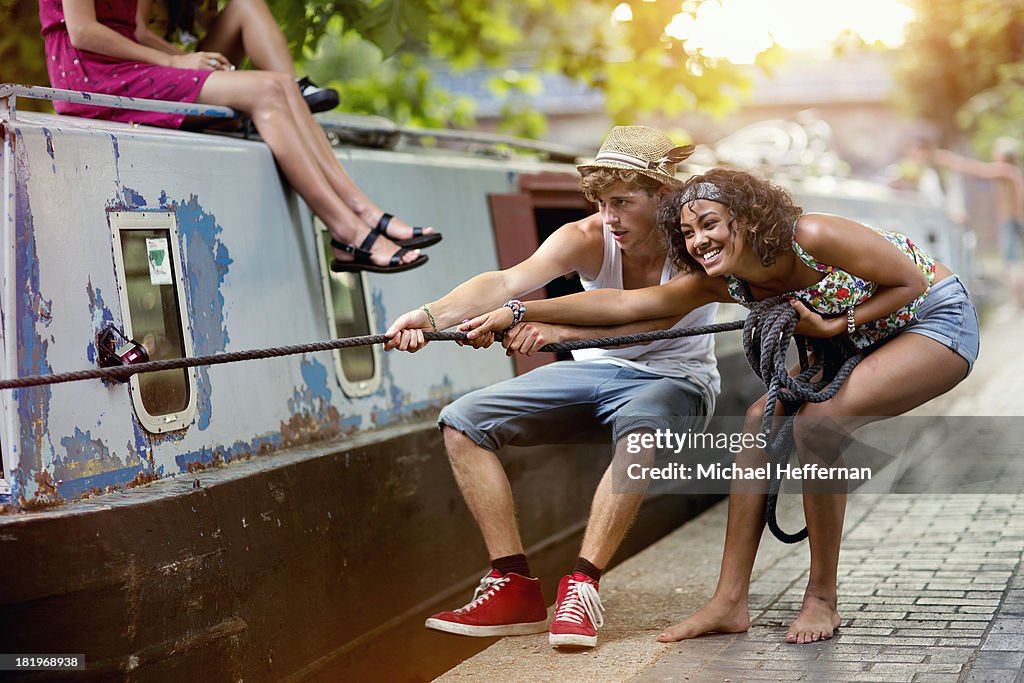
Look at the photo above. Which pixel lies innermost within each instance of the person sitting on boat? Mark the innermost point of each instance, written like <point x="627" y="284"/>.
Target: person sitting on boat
<point x="92" y="46"/>
<point x="243" y="28"/>
<point x="629" y="390"/>
<point x="740" y="238"/>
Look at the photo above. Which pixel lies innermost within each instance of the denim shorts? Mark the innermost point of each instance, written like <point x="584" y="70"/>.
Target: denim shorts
<point x="948" y="316"/>
<point x="574" y="402"/>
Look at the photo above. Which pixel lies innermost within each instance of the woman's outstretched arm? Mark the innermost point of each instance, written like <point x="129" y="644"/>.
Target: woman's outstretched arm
<point x="606" y="307"/>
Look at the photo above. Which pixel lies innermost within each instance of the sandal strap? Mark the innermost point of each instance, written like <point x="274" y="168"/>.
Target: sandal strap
<point x="396" y="258"/>
<point x="371" y="237"/>
<point x="382" y="225"/>
<point x="361" y="254"/>
<point x="417" y="231"/>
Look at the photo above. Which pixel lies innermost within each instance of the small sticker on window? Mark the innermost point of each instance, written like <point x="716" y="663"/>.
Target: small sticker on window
<point x="159" y="261"/>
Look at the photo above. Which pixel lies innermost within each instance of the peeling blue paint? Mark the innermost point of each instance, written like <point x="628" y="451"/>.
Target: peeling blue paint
<point x="49" y="148"/>
<point x="389" y="391"/>
<point x="119" y="477"/>
<point x="129" y="199"/>
<point x="205" y="263"/>
<point x="314" y="399"/>
<point x="132" y="198"/>
<point x="33" y="402"/>
<point x="81" y="448"/>
<point x="101" y="317"/>
<point x="240" y="449"/>
<point x="315" y="375"/>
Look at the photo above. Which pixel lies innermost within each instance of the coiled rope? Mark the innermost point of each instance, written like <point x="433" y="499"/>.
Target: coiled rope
<point x="767" y="332"/>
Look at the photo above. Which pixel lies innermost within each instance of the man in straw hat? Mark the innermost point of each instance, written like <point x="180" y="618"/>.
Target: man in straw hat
<point x="628" y="390"/>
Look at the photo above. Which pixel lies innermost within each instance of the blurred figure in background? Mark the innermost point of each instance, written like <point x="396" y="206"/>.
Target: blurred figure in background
<point x="1004" y="169"/>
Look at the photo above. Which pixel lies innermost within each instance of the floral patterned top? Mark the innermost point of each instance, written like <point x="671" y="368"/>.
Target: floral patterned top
<point x="839" y="290"/>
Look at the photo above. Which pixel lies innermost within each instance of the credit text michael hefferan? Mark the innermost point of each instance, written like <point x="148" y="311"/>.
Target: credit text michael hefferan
<point x="667" y="440"/>
<point x="718" y="472"/>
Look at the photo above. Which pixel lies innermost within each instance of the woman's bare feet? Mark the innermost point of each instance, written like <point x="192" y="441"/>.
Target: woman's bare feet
<point x="717" y="616"/>
<point x="817" y="620"/>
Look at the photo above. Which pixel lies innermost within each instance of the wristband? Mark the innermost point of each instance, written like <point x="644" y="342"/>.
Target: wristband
<point x="433" y="323"/>
<point x="518" y="309"/>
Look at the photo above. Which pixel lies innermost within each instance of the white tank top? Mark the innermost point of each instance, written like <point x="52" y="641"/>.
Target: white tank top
<point x="690" y="358"/>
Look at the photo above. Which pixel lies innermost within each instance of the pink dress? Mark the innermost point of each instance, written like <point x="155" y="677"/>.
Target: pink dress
<point x="73" y="69"/>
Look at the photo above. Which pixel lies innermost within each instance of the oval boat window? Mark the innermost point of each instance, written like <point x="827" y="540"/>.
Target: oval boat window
<point x="152" y="292"/>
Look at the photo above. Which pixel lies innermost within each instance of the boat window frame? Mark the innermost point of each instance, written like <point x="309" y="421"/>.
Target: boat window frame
<point x="351" y="388"/>
<point x="155" y="220"/>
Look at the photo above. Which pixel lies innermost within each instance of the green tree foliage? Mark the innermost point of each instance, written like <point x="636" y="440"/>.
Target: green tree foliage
<point x="963" y="66"/>
<point x="21" y="49"/>
<point x="640" y="68"/>
<point x="381" y="54"/>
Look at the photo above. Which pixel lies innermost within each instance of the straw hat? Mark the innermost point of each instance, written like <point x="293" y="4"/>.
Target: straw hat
<point x="642" y="149"/>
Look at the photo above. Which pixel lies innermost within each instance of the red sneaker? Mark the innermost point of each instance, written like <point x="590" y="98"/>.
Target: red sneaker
<point x="578" y="612"/>
<point x="509" y="605"/>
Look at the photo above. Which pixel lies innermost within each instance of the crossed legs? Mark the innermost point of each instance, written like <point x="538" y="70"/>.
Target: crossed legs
<point x="246" y="27"/>
<point x="285" y="124"/>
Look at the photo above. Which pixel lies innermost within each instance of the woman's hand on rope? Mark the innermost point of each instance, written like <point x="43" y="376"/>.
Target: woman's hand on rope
<point x="528" y="338"/>
<point x="811" y="323"/>
<point x="201" y="61"/>
<point x="406" y="333"/>
<point x="497" y="320"/>
<point x="481" y="342"/>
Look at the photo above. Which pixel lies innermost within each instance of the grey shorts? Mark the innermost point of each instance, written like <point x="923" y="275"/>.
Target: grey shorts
<point x="948" y="316"/>
<point x="574" y="402"/>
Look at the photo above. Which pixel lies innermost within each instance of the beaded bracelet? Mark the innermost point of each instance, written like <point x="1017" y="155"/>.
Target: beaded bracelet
<point x="433" y="323"/>
<point x="518" y="309"/>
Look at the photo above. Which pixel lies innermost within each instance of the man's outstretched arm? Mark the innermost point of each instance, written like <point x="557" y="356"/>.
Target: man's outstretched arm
<point x="573" y="247"/>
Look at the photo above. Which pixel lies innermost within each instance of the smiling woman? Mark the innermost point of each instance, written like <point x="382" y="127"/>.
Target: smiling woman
<point x="737" y="237"/>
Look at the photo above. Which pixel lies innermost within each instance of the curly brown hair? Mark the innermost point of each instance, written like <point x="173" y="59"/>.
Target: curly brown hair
<point x="594" y="183"/>
<point x="763" y="211"/>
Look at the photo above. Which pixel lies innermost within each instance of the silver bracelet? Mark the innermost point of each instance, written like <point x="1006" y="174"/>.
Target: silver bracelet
<point x="851" y="325"/>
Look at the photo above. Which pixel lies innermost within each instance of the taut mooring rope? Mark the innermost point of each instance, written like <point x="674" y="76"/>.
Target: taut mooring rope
<point x="767" y="332"/>
<point x="123" y="372"/>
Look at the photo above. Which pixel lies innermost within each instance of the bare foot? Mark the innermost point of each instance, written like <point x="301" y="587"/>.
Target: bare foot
<point x="817" y="620"/>
<point x="717" y="616"/>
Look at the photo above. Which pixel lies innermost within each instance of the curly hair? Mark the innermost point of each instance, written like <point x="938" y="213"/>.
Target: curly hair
<point x="764" y="213"/>
<point x="594" y="183"/>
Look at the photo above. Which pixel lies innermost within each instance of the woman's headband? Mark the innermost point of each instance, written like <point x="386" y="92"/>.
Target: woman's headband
<point x="704" y="190"/>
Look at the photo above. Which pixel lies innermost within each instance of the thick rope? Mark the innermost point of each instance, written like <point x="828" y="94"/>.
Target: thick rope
<point x="767" y="332"/>
<point x="766" y="336"/>
<point x="123" y="372"/>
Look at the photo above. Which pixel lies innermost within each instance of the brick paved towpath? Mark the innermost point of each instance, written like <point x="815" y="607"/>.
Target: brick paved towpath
<point x="931" y="586"/>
